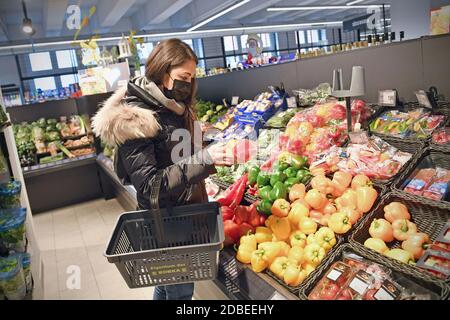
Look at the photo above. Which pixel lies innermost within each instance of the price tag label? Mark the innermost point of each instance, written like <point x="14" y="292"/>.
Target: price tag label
<point x="277" y="296"/>
<point x="292" y="102"/>
<point x="235" y="101"/>
<point x="383" y="295"/>
<point x="387" y="98"/>
<point x="334" y="275"/>
<point x="423" y="99"/>
<point x="359" y="286"/>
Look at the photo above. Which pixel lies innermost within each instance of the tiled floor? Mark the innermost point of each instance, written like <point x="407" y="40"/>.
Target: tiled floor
<point x="77" y="236"/>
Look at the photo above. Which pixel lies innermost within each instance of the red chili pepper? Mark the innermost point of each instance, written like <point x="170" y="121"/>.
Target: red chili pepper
<point x="229" y="194"/>
<point x="239" y="194"/>
<point x="240" y="214"/>
<point x="253" y="217"/>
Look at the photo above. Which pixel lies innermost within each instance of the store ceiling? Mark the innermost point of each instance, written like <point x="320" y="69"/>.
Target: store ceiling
<point x="113" y="17"/>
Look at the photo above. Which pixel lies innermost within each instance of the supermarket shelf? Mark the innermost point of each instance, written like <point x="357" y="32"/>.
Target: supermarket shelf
<point x="42" y="169"/>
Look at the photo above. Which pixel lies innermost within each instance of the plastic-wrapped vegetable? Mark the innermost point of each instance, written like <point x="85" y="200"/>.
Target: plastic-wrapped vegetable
<point x="12" y="280"/>
<point x="281" y="118"/>
<point x="37" y="133"/>
<point x="311" y="97"/>
<point x="10" y="194"/>
<point x="26" y="264"/>
<point x="12" y="229"/>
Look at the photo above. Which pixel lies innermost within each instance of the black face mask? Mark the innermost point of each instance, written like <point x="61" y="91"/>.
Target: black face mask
<point x="180" y="91"/>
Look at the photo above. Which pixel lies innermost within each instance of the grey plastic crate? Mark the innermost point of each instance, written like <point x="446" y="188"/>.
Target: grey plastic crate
<point x="193" y="236"/>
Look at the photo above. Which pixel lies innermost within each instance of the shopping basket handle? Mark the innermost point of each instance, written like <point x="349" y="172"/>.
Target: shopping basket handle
<point x="155" y="210"/>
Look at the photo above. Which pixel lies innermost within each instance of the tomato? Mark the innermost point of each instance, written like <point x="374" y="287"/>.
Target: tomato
<point x="315" y="199"/>
<point x="345" y="294"/>
<point x="329" y="291"/>
<point x="381" y="229"/>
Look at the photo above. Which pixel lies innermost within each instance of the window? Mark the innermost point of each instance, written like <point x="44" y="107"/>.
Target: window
<point x="232" y="61"/>
<point x="47" y="83"/>
<point x="189" y="42"/>
<point x="244" y="38"/>
<point x="323" y="35"/>
<point x="231" y="43"/>
<point x="301" y="35"/>
<point x="66" y="59"/>
<point x="68" y="79"/>
<point x="315" y="36"/>
<point x="144" y="50"/>
<point x="40" y="61"/>
<point x="265" y="37"/>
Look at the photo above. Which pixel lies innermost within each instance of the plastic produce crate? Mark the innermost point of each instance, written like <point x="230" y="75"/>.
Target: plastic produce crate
<point x="429" y="158"/>
<point x="437" y="287"/>
<point x="429" y="219"/>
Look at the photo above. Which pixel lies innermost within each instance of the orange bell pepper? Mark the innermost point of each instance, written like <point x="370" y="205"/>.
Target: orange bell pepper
<point x="403" y="229"/>
<point x="322" y="183"/>
<point x="280" y="208"/>
<point x="348" y="199"/>
<point x="298" y="191"/>
<point x="281" y="228"/>
<point x="365" y="198"/>
<point x="315" y="199"/>
<point x="360" y="180"/>
<point x="395" y="211"/>
<point x="342" y="178"/>
<point x="416" y="244"/>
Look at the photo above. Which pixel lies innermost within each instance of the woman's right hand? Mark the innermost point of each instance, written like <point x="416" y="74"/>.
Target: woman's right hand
<point x="220" y="155"/>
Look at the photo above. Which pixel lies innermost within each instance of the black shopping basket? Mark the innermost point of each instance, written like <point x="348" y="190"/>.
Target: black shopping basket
<point x="169" y="245"/>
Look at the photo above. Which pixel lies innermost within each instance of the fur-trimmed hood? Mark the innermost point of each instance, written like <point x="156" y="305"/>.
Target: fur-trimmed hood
<point x="130" y="113"/>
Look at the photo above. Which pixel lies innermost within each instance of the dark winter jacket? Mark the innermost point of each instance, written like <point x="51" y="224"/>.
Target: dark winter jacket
<point x="139" y="120"/>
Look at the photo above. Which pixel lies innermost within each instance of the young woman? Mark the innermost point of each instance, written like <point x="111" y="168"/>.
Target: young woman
<point x="140" y="118"/>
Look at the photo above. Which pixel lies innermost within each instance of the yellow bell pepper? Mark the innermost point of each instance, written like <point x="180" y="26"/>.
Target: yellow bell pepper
<point x="294" y="275"/>
<point x="259" y="260"/>
<point x="248" y="240"/>
<point x="296" y="254"/>
<point x="311" y="239"/>
<point x="348" y="199"/>
<point x="314" y="254"/>
<point x="271" y="250"/>
<point x="298" y="238"/>
<point x="284" y="248"/>
<point x="278" y="266"/>
<point x="244" y="254"/>
<point x="325" y="238"/>
<point x="281" y="228"/>
<point x="263" y="234"/>
<point x="308" y="268"/>
<point x="339" y="222"/>
<point x="377" y="245"/>
<point x="298" y="211"/>
<point x="307" y="225"/>
<point x="400" y="255"/>
<point x="269" y="221"/>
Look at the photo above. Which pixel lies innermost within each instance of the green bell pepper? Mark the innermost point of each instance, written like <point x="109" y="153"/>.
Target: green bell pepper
<point x="279" y="191"/>
<point x="303" y="175"/>
<point x="263" y="179"/>
<point x="264" y="207"/>
<point x="291" y="172"/>
<point x="279" y="166"/>
<point x="264" y="192"/>
<point x="298" y="162"/>
<point x="253" y="173"/>
<point x="291" y="181"/>
<point x="277" y="176"/>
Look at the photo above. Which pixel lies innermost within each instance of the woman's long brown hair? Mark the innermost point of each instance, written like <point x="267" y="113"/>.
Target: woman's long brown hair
<point x="169" y="54"/>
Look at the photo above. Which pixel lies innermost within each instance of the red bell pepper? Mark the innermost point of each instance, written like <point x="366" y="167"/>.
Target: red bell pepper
<point x="240" y="214"/>
<point x="245" y="229"/>
<point x="253" y="217"/>
<point x="227" y="213"/>
<point x="232" y="232"/>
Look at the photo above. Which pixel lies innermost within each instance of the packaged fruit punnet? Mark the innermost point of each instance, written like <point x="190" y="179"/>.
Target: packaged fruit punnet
<point x="10" y="194"/>
<point x="329" y="286"/>
<point x="12" y="228"/>
<point x="12" y="280"/>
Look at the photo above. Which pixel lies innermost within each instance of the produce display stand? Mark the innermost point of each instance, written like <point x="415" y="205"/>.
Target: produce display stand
<point x="68" y="181"/>
<point x="9" y="150"/>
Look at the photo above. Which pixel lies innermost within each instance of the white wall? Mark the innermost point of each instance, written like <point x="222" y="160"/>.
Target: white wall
<point x="8" y="71"/>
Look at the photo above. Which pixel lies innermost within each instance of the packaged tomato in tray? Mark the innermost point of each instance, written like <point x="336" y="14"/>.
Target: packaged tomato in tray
<point x="438" y="188"/>
<point x="329" y="286"/>
<point x="420" y="181"/>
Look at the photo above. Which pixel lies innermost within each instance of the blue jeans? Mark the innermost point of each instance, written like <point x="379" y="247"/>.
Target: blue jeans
<point x="183" y="291"/>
